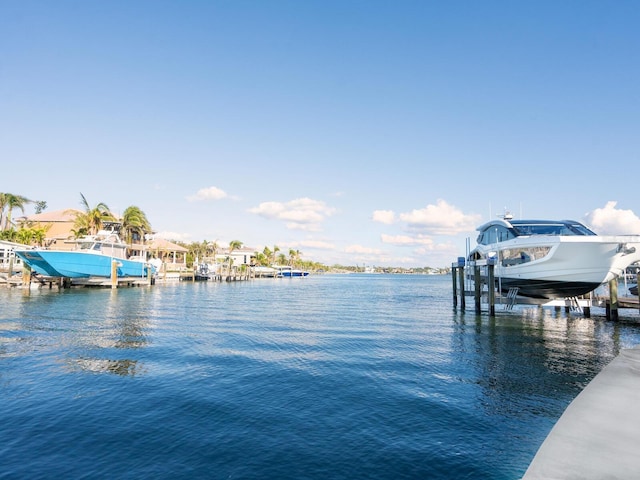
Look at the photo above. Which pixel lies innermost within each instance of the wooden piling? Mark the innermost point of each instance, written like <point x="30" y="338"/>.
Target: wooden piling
<point x="26" y="276"/>
<point x="492" y="287"/>
<point x="454" y="281"/>
<point x="114" y="273"/>
<point x="463" y="303"/>
<point x="612" y="306"/>
<point x="478" y="288"/>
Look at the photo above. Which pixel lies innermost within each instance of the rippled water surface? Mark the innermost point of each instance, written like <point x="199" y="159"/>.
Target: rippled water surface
<point x="324" y="377"/>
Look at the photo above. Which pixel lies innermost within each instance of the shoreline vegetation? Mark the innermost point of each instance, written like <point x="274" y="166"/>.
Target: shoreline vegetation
<point x="135" y="228"/>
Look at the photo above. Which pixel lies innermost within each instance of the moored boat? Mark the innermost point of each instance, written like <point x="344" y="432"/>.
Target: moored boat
<point x="285" y="271"/>
<point x="552" y="259"/>
<point x="92" y="256"/>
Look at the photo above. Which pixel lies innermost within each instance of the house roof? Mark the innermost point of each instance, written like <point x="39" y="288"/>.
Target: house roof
<point x="68" y="215"/>
<point x="164" y="245"/>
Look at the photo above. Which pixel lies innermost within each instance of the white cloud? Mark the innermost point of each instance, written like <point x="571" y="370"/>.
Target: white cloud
<point x="384" y="216"/>
<point x="210" y="193"/>
<point x="300" y="214"/>
<point x="167" y="235"/>
<point x="440" y="219"/>
<point x="314" y="244"/>
<point x="612" y="221"/>
<point x="406" y="240"/>
<point x="359" y="249"/>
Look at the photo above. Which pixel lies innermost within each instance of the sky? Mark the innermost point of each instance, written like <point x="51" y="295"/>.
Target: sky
<point x="358" y="132"/>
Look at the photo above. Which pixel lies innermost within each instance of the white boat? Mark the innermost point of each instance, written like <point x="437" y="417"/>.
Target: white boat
<point x="552" y="259"/>
<point x="264" y="272"/>
<point x="92" y="256"/>
<point x="285" y="271"/>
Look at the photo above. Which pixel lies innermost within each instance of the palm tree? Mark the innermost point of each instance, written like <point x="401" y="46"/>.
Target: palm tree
<point x="9" y="202"/>
<point x="233" y="245"/>
<point x="212" y="252"/>
<point x="266" y="253"/>
<point x="134" y="223"/>
<point x="276" y="249"/>
<point x="90" y="222"/>
<point x="294" y="255"/>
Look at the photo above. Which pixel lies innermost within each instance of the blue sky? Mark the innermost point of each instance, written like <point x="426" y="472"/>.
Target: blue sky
<point x="357" y="132"/>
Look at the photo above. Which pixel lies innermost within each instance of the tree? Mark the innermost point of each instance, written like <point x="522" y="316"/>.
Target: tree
<point x="9" y="202"/>
<point x="90" y="221"/>
<point x="260" y="258"/>
<point x="233" y="245"/>
<point x="294" y="255"/>
<point x="41" y="206"/>
<point x="266" y="252"/>
<point x="134" y="223"/>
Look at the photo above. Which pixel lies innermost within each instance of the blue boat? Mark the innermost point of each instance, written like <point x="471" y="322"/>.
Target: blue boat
<point x="92" y="256"/>
<point x="285" y="271"/>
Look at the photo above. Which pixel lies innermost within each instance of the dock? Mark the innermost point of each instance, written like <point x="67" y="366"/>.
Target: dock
<point x="598" y="434"/>
<point x="490" y="297"/>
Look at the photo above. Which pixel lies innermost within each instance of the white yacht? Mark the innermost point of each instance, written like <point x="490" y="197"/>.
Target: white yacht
<point x="552" y="259"/>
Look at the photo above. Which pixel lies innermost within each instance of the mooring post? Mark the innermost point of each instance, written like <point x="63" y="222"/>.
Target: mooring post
<point x="491" y="287"/>
<point x="454" y="281"/>
<point x="463" y="303"/>
<point x="612" y="313"/>
<point x="26" y="276"/>
<point x="10" y="272"/>
<point x="478" y="288"/>
<point x="638" y="283"/>
<point x="587" y="310"/>
<point x="114" y="273"/>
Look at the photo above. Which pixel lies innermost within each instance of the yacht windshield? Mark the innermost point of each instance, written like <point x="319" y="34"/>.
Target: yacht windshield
<point x="550" y="228"/>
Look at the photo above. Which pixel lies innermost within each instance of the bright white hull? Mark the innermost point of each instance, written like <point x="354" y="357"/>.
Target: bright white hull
<point x="574" y="265"/>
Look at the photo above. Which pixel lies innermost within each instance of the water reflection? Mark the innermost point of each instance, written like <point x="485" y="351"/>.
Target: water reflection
<point x="535" y="359"/>
<point x="80" y="329"/>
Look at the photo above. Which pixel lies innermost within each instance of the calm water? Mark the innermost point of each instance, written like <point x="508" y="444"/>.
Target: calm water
<point x="326" y="377"/>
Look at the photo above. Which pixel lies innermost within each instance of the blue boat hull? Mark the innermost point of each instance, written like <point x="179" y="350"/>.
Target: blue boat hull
<point x="55" y="263"/>
<point x="294" y="273"/>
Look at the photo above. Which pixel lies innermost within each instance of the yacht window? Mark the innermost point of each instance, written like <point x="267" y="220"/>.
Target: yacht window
<point x="495" y="234"/>
<point x="581" y="229"/>
<point x="97" y="246"/>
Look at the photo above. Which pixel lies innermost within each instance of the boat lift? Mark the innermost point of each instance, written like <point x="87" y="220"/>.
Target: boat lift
<point x="471" y="271"/>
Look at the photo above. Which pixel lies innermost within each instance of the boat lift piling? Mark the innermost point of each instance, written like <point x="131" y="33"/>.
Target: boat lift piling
<point x="458" y="275"/>
<point x="491" y="296"/>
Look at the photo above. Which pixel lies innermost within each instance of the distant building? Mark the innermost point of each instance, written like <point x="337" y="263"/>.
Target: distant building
<point x="240" y="256"/>
<point x="8" y="259"/>
<point x="59" y="225"/>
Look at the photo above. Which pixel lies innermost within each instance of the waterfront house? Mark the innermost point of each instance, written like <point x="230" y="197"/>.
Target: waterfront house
<point x="239" y="256"/>
<point x="58" y="224"/>
<point x="9" y="263"/>
<point x="173" y="256"/>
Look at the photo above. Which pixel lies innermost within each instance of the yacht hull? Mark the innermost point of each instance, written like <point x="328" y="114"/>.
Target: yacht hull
<point x="572" y="265"/>
<point x="75" y="264"/>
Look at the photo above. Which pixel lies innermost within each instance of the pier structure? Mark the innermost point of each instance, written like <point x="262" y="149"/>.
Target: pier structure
<point x="470" y="272"/>
<point x="597" y="435"/>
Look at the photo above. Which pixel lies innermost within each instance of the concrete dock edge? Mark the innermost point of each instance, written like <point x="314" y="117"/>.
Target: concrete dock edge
<point x="598" y="435"/>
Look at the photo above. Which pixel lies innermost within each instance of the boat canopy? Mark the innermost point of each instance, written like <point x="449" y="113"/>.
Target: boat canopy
<point x="502" y="230"/>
